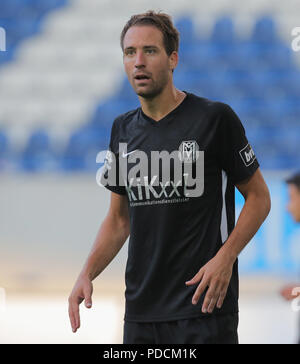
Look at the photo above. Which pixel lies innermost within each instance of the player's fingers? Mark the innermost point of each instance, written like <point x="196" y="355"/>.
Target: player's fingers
<point x="88" y="297"/>
<point x="200" y="289"/>
<point x="212" y="303"/>
<point x="72" y="318"/>
<point x="75" y="309"/>
<point x="197" y="278"/>
<point x="221" y="299"/>
<point x="74" y="315"/>
<point x="210" y="296"/>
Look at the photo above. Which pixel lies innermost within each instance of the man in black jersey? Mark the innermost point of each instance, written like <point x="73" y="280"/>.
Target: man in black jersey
<point x="172" y="168"/>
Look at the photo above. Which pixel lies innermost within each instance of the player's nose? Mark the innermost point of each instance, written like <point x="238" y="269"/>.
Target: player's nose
<point x="139" y="59"/>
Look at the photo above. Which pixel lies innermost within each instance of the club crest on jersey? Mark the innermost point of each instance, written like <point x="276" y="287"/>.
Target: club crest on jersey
<point x="247" y="155"/>
<point x="188" y="151"/>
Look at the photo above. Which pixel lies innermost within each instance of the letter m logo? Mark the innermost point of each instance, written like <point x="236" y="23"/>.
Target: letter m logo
<point x="188" y="151"/>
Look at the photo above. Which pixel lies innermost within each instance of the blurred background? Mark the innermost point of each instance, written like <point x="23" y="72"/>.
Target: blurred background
<point x="61" y="85"/>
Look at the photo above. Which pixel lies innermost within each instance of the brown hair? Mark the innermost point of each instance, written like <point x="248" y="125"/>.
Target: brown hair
<point x="161" y="21"/>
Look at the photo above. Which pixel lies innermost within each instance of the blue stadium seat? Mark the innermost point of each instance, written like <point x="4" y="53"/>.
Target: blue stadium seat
<point x="38" y="154"/>
<point x="204" y="56"/>
<point x="265" y="31"/>
<point x="290" y="82"/>
<point x="23" y="29"/>
<point x="83" y="147"/>
<point x="256" y="84"/>
<point x="243" y="56"/>
<point x="187" y="79"/>
<point x="47" y="5"/>
<point x="38" y="141"/>
<point x="11" y="8"/>
<point x="22" y="8"/>
<point x="106" y="112"/>
<point x="187" y="31"/>
<point x="223" y="31"/>
<point x="278" y="57"/>
<point x="255" y="56"/>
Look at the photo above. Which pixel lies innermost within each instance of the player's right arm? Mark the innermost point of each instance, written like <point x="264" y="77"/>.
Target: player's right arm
<point x="112" y="235"/>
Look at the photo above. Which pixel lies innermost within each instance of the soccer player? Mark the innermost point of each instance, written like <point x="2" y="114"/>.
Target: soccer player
<point x="293" y="290"/>
<point x="182" y="269"/>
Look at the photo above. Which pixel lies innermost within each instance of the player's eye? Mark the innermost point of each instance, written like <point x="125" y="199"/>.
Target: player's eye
<point x="129" y="52"/>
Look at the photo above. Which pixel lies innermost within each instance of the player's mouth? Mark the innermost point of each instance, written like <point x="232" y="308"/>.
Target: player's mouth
<point x="141" y="78"/>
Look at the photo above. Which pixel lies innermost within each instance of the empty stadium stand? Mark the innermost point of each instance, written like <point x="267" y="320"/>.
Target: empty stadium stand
<point x="61" y="78"/>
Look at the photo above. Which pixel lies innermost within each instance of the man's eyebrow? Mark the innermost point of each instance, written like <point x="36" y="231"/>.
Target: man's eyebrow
<point x="145" y="47"/>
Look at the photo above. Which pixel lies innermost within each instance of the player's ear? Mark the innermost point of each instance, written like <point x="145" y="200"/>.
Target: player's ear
<point x="173" y="60"/>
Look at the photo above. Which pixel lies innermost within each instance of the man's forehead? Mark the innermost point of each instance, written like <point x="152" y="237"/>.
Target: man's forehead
<point x="143" y="35"/>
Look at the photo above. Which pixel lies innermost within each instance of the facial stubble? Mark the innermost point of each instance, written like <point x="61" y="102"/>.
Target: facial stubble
<point x="156" y="88"/>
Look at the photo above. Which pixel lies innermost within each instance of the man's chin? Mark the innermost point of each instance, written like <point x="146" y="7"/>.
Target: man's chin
<point x="148" y="94"/>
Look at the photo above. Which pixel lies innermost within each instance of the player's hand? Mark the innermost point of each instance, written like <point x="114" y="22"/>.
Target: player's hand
<point x="215" y="275"/>
<point x="82" y="290"/>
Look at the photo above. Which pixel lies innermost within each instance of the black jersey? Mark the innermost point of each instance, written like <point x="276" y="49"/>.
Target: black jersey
<point x="173" y="233"/>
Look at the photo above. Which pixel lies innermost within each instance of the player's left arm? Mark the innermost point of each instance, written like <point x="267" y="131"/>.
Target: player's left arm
<point x="216" y="274"/>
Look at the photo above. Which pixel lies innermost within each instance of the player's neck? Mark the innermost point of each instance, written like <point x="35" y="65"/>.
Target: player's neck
<point x="160" y="106"/>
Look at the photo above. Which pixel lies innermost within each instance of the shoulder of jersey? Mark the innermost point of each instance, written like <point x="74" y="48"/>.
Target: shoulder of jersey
<point x="210" y="105"/>
<point x="126" y="115"/>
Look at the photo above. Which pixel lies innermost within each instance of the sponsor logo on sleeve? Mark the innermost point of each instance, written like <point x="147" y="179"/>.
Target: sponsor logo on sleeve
<point x="247" y="155"/>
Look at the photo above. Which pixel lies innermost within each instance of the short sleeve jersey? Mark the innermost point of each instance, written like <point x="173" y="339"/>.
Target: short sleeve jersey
<point x="173" y="233"/>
